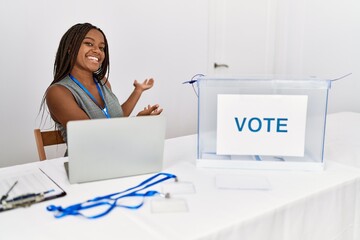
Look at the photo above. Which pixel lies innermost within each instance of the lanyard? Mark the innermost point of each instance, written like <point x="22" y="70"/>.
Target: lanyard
<point x="104" y="110"/>
<point x="109" y="202"/>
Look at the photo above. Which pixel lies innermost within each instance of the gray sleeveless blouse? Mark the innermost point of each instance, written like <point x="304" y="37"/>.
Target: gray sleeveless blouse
<point x="87" y="104"/>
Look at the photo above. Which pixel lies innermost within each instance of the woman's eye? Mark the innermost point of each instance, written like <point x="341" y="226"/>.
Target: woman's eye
<point x="102" y="49"/>
<point x="88" y="44"/>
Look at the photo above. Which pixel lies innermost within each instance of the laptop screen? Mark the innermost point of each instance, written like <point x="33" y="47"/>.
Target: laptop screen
<point x="118" y="147"/>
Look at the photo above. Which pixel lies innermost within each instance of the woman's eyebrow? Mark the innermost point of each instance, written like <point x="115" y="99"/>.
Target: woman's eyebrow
<point x="93" y="39"/>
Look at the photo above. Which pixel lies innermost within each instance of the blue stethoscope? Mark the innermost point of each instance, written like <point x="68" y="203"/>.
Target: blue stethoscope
<point x="104" y="110"/>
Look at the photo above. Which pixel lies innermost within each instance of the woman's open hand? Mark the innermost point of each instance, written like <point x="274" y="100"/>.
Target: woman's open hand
<point x="150" y="110"/>
<point x="145" y="85"/>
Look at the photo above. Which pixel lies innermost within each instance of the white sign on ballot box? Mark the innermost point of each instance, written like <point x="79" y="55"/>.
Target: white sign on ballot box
<point x="261" y="124"/>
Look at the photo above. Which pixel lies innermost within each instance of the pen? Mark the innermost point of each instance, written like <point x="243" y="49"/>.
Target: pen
<point x="25" y="200"/>
<point x="4" y="197"/>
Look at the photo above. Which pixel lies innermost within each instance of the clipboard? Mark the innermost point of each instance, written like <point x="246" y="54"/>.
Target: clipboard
<point x="27" y="188"/>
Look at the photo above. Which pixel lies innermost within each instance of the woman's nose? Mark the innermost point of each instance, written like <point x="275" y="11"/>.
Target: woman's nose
<point x="96" y="49"/>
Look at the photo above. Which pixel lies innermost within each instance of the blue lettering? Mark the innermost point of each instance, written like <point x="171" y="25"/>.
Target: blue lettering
<point x="269" y="123"/>
<point x="279" y="124"/>
<point x="255" y="124"/>
<point x="251" y="125"/>
<point x="240" y="127"/>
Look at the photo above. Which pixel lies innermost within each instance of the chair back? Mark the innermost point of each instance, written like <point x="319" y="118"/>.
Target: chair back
<point x="46" y="138"/>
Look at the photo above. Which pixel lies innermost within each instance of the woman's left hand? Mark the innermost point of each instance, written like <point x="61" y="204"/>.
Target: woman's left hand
<point x="147" y="84"/>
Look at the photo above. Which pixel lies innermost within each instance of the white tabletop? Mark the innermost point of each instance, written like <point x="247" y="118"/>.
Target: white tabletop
<point x="299" y="205"/>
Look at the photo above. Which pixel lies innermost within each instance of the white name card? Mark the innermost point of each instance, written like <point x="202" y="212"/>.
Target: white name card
<point x="272" y="125"/>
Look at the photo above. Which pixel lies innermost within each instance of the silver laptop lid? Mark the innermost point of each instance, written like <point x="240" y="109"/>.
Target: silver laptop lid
<point x="118" y="147"/>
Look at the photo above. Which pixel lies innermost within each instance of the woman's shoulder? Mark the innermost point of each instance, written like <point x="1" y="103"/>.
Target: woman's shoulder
<point x="57" y="90"/>
<point x="65" y="81"/>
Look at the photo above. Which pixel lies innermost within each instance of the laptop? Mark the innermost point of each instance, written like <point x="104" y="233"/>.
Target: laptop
<point x="112" y="148"/>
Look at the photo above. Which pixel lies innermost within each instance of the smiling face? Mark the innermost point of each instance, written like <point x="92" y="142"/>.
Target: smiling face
<point x="91" y="53"/>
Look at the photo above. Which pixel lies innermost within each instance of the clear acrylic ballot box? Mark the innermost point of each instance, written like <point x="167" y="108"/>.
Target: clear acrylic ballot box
<point x="261" y="122"/>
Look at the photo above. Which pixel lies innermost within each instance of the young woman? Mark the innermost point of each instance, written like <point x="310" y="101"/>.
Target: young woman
<point x="80" y="89"/>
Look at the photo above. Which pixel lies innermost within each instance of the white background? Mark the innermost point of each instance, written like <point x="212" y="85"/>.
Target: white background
<point x="167" y="40"/>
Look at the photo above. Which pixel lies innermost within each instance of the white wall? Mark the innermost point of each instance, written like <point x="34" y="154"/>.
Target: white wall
<point x="322" y="38"/>
<point x="292" y="38"/>
<point x="163" y="39"/>
<point x="334" y="42"/>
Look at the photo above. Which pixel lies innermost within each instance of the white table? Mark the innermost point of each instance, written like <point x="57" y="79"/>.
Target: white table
<point x="300" y="205"/>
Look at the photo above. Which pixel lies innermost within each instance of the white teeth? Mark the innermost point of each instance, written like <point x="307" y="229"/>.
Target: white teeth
<point x="93" y="58"/>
